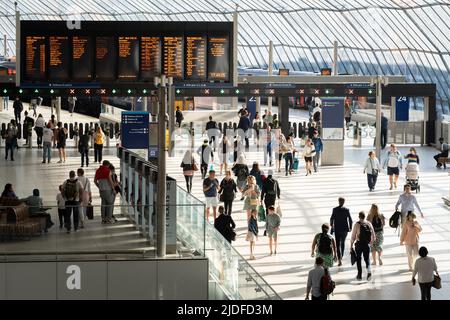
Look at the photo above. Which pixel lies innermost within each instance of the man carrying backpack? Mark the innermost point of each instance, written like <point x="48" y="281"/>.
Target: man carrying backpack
<point x="319" y="283"/>
<point x="72" y="191"/>
<point x="270" y="191"/>
<point x="363" y="234"/>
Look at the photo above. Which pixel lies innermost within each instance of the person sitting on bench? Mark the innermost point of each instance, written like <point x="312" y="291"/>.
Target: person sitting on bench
<point x="36" y="209"/>
<point x="443" y="154"/>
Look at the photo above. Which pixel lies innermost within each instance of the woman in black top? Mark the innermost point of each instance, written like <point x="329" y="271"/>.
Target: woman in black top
<point x="225" y="225"/>
<point x="227" y="192"/>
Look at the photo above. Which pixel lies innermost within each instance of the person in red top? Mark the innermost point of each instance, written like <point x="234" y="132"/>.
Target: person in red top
<point x="103" y="181"/>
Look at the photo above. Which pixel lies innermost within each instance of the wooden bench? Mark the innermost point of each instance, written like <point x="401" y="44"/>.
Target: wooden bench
<point x="17" y="222"/>
<point x="444" y="161"/>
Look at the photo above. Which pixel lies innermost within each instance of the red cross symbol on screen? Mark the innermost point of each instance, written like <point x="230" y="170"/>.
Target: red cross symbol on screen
<point x="316" y="91"/>
<point x="206" y="91"/>
<point x="350" y="91"/>
<point x="302" y="91"/>
<point x="88" y="91"/>
<point x="256" y="91"/>
<point x="271" y="91"/>
<point x="103" y="91"/>
<point x="72" y="91"/>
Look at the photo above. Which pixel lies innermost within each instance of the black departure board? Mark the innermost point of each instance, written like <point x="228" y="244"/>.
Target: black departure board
<point x="128" y="64"/>
<point x="82" y="58"/>
<point x="150" y="57"/>
<point x="173" y="57"/>
<point x="105" y="58"/>
<point x="113" y="52"/>
<point x="35" y="58"/>
<point x="195" y="58"/>
<point x="219" y="58"/>
<point x="58" y="66"/>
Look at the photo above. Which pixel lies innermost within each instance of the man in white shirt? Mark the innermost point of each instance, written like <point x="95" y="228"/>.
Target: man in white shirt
<point x="425" y="267"/>
<point x="364" y="235"/>
<point x="314" y="281"/>
<point x="47" y="138"/>
<point x="407" y="201"/>
<point x="86" y="196"/>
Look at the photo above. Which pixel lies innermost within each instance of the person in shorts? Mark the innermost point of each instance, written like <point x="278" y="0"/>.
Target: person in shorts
<point x="394" y="164"/>
<point x="210" y="189"/>
<point x="273" y="226"/>
<point x="252" y="232"/>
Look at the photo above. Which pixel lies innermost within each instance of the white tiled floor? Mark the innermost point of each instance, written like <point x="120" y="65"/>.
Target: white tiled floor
<point x="307" y="203"/>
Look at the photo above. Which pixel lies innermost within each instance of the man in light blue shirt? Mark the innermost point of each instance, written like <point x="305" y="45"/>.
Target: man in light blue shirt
<point x="314" y="281"/>
<point x="407" y="201"/>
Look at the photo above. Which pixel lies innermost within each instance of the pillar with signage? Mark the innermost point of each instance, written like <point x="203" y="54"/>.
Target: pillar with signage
<point x="333" y="131"/>
<point x="402" y="108"/>
<point x="135" y="132"/>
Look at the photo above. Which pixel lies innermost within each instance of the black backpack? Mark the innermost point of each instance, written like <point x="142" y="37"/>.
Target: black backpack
<point x="271" y="187"/>
<point x="394" y="221"/>
<point x="325" y="244"/>
<point x="70" y="190"/>
<point x="364" y="233"/>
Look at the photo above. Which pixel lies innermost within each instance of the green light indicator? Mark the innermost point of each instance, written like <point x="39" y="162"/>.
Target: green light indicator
<point x="237" y="91"/>
<point x="20" y="91"/>
<point x="222" y="91"/>
<point x="36" y="91"/>
<point x="370" y="91"/>
<point x="114" y="91"/>
<point x="144" y="91"/>
<point x="327" y="91"/>
<point x="129" y="91"/>
<point x="178" y="91"/>
<point x="5" y="91"/>
<point x="52" y="91"/>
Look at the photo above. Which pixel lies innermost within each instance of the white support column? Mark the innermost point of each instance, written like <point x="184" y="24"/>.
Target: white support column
<point x="234" y="101"/>
<point x="5" y="43"/>
<point x="1" y="104"/>
<point x="269" y="100"/>
<point x="18" y="48"/>
<point x="335" y="58"/>
<point x="378" y="115"/>
<point x="258" y="105"/>
<point x="58" y="109"/>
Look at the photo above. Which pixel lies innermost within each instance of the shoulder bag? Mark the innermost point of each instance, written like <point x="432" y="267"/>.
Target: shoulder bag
<point x="374" y="171"/>
<point x="437" y="282"/>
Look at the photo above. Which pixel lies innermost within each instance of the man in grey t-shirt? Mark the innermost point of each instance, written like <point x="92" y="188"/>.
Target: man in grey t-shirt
<point x="314" y="280"/>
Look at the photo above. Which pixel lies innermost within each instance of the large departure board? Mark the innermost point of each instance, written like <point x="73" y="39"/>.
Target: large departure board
<point x="150" y="57"/>
<point x="105" y="58"/>
<point x="173" y="57"/>
<point x="195" y="58"/>
<point x="219" y="58"/>
<point x="82" y="58"/>
<point x="128" y="66"/>
<point x="59" y="58"/>
<point x="35" y="61"/>
<point x="113" y="52"/>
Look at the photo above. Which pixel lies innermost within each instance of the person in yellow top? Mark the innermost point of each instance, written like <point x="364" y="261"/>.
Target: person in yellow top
<point x="98" y="145"/>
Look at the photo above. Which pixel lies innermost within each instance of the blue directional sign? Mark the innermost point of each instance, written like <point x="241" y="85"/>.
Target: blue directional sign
<point x="251" y="107"/>
<point x="135" y="131"/>
<point x="402" y="108"/>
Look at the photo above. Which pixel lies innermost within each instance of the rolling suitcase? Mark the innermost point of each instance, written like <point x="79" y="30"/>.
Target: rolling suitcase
<point x="295" y="165"/>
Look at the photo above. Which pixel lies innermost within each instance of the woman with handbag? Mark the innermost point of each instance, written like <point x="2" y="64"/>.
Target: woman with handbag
<point x="228" y="190"/>
<point x="251" y="193"/>
<point x="410" y="238"/>
<point x="189" y="167"/>
<point x="372" y="167"/>
<point x="425" y="267"/>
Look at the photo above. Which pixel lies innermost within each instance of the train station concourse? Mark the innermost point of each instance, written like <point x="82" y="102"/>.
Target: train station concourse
<point x="225" y="151"/>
